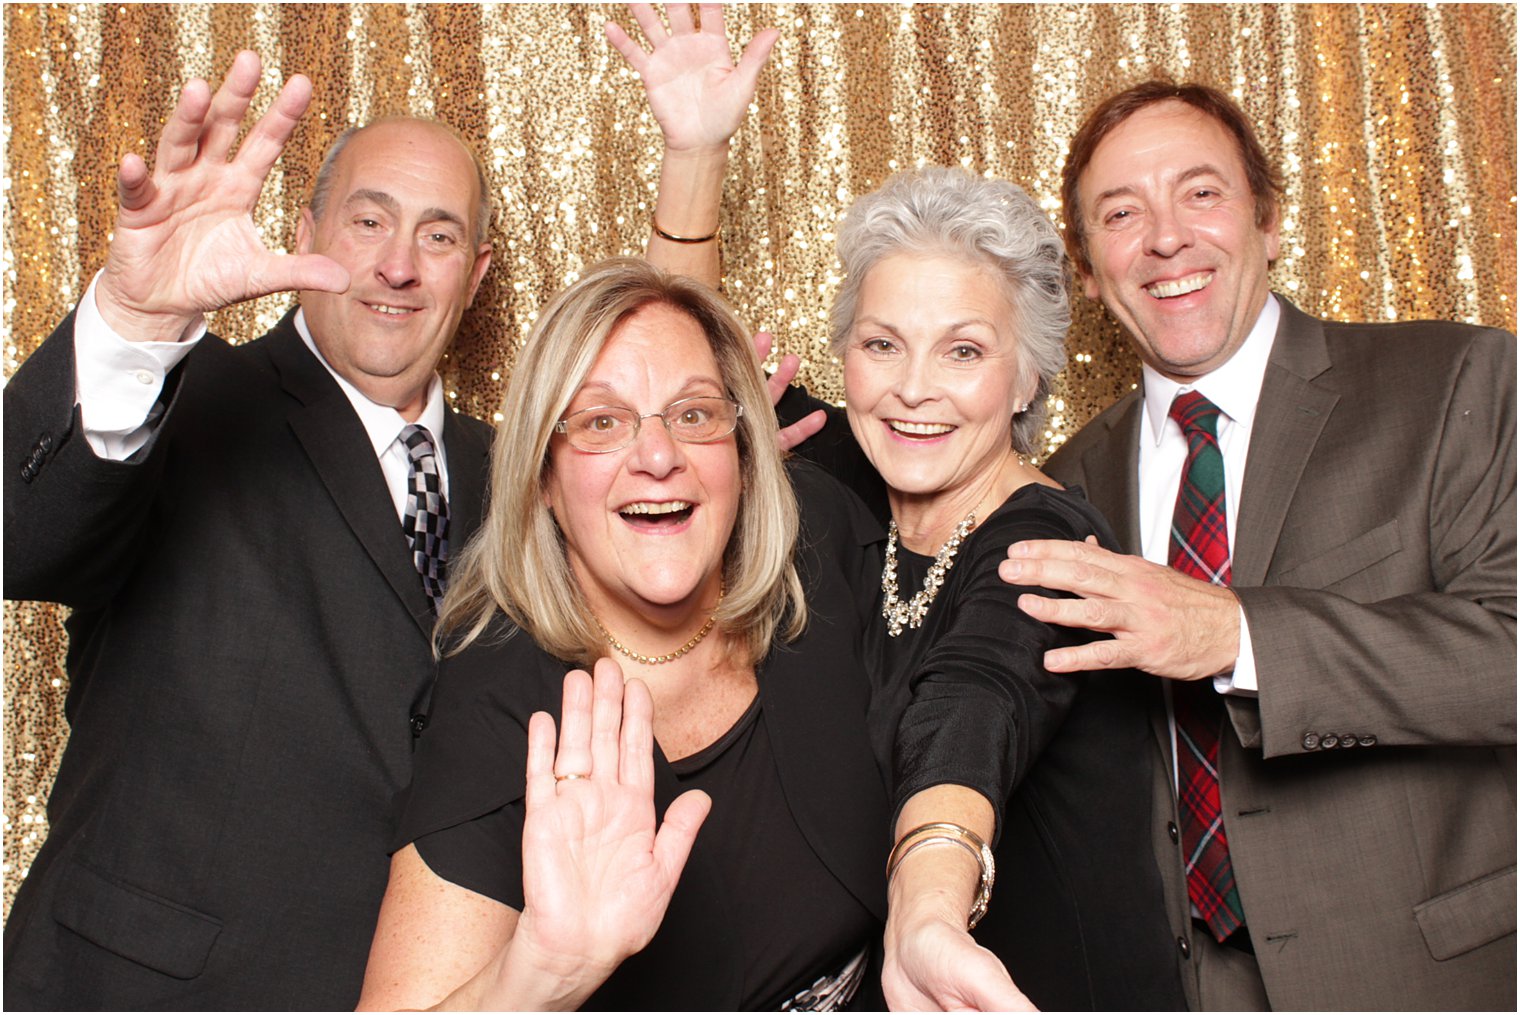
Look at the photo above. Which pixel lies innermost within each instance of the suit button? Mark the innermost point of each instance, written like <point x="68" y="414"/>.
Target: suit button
<point x="1311" y="741"/>
<point x="1171" y="830"/>
<point x="1368" y="741"/>
<point x="1348" y="740"/>
<point x="1329" y="740"/>
<point x="28" y="471"/>
<point x="418" y="723"/>
<point x="1184" y="947"/>
<point x="45" y="442"/>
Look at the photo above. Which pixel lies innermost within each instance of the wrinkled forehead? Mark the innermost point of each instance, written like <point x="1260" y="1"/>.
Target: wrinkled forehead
<point x="410" y="154"/>
<point x="1169" y="134"/>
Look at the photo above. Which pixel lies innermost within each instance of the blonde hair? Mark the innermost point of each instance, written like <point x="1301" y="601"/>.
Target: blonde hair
<point x="517" y="561"/>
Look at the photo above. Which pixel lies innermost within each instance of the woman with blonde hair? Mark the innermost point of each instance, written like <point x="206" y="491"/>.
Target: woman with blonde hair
<point x="639" y="502"/>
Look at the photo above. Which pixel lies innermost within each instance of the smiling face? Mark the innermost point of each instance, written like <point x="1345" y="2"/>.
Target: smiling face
<point x="401" y="218"/>
<point x="933" y="377"/>
<point x="645" y="527"/>
<point x="1170" y="225"/>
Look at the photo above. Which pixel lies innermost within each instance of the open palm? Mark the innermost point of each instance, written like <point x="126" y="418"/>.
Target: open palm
<point x="697" y="93"/>
<point x="185" y="242"/>
<point x="598" y="872"/>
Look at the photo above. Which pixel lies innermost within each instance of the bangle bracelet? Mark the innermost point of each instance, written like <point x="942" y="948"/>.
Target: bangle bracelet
<point x="662" y="234"/>
<point x="949" y="832"/>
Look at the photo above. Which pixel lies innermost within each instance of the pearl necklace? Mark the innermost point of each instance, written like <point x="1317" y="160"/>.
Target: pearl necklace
<point x="696" y="639"/>
<point x="912" y="613"/>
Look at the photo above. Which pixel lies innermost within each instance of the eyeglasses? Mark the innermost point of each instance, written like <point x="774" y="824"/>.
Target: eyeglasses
<point x="604" y="428"/>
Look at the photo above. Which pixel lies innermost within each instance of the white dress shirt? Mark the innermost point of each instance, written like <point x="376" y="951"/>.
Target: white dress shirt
<point x="117" y="385"/>
<point x="1235" y="388"/>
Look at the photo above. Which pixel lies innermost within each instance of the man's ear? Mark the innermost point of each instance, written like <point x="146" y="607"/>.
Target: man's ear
<point x="1272" y="233"/>
<point x="482" y="263"/>
<point x="1089" y="284"/>
<point x="306" y="231"/>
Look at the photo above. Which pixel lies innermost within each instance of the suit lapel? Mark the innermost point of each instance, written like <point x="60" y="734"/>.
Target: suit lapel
<point x="340" y="451"/>
<point x="467" y="453"/>
<point x="1110" y="471"/>
<point x="1290" y="416"/>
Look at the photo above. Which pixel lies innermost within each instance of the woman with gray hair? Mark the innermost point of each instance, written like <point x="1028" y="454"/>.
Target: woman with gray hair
<point x="951" y="324"/>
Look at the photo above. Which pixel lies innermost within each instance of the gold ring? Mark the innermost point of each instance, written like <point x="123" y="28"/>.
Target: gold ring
<point x="572" y="775"/>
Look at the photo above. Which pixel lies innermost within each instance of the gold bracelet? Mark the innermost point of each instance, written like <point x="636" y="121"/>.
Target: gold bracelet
<point x="949" y="832"/>
<point x="662" y="234"/>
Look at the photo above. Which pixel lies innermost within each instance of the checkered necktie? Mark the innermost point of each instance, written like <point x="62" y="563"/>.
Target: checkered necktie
<point x="427" y="513"/>
<point x="1200" y="547"/>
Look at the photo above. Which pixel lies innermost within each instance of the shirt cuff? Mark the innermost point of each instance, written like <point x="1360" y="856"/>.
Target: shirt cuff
<point x="1242" y="679"/>
<point x="117" y="382"/>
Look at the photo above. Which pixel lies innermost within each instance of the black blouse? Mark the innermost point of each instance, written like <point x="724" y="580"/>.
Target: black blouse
<point x="784" y="883"/>
<point x="1077" y="913"/>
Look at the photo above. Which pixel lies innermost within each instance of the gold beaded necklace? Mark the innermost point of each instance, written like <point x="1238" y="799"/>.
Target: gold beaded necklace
<point x="696" y="639"/>
<point x="912" y="613"/>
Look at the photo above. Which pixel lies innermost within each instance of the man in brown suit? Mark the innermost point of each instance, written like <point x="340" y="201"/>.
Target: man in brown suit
<point x="1360" y="637"/>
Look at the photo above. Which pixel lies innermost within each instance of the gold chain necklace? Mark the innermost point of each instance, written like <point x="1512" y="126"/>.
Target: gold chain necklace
<point x="912" y="613"/>
<point x="696" y="639"/>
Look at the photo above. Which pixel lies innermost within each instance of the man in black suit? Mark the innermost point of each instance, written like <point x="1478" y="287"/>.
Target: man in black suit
<point x="249" y="646"/>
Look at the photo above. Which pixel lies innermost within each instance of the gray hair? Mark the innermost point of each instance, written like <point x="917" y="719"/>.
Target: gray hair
<point x="990" y="223"/>
<point x="321" y="190"/>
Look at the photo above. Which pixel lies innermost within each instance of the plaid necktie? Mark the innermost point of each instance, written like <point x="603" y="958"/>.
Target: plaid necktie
<point x="1200" y="547"/>
<point x="427" y="513"/>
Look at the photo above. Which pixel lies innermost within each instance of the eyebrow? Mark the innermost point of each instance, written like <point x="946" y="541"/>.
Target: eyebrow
<point x="607" y="390"/>
<point x="1191" y="173"/>
<point x="953" y="326"/>
<point x="393" y="206"/>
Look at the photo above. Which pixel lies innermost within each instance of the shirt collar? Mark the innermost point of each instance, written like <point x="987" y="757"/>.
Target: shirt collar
<point x="382" y="422"/>
<point x="1234" y="386"/>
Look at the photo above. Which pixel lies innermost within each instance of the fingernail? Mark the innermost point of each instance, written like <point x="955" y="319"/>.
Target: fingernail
<point x="1015" y="569"/>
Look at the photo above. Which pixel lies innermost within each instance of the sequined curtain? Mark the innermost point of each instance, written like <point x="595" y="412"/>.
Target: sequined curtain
<point x="1395" y="125"/>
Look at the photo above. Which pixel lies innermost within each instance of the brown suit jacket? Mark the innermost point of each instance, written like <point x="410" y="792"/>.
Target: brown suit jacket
<point x="1369" y="791"/>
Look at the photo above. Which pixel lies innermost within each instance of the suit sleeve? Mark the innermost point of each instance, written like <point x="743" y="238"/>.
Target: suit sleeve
<point x="1435" y="666"/>
<point x="73" y="520"/>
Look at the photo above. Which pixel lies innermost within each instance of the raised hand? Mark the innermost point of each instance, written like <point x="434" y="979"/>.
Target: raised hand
<point x="696" y="92"/>
<point x="597" y="874"/>
<point x="788" y="437"/>
<point x="1162" y="621"/>
<point x="185" y="241"/>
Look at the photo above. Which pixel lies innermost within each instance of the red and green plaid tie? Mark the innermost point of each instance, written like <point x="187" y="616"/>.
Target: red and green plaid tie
<point x="1200" y="547"/>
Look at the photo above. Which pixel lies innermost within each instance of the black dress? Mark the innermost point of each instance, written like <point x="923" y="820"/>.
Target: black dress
<point x="785" y="882"/>
<point x="1077" y="912"/>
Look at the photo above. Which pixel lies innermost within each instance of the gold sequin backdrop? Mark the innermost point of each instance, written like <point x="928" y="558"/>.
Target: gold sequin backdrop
<point x="1395" y="126"/>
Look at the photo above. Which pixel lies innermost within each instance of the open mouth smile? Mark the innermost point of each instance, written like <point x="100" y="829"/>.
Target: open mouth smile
<point x="390" y="311"/>
<point x="918" y="431"/>
<point x="657" y="515"/>
<point x="1180" y="286"/>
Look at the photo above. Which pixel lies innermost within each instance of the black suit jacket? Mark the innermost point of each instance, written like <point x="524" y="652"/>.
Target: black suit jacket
<point x="1369" y="790"/>
<point x="248" y="642"/>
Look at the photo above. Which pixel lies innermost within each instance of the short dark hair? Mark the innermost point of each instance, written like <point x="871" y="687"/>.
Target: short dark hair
<point x="1261" y="175"/>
